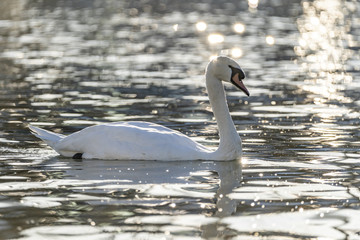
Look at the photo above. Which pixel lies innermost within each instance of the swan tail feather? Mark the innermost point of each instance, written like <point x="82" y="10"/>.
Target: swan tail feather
<point x="48" y="137"/>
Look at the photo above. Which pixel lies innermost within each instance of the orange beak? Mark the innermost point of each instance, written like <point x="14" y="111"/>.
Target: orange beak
<point x="239" y="83"/>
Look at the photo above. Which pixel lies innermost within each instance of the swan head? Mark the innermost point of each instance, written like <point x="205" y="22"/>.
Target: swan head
<point x="228" y="70"/>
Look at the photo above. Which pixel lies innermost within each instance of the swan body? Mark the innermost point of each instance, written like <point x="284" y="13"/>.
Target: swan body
<point x="126" y="140"/>
<point x="149" y="141"/>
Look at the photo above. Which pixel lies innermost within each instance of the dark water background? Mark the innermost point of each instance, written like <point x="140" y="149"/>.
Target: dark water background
<point x="65" y="65"/>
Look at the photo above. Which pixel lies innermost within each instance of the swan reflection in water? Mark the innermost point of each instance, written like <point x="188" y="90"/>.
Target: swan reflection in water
<point x="204" y="185"/>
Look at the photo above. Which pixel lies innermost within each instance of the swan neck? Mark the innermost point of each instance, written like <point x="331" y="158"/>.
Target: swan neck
<point x="229" y="138"/>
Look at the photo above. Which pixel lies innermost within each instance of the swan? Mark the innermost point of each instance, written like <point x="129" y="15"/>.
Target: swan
<point x="137" y="140"/>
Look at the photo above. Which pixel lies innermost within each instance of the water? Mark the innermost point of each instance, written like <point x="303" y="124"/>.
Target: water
<point x="65" y="65"/>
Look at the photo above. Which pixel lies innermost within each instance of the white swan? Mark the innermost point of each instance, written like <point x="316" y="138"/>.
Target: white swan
<point x="149" y="141"/>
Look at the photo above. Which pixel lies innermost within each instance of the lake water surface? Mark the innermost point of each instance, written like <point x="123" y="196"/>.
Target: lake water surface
<point x="66" y="65"/>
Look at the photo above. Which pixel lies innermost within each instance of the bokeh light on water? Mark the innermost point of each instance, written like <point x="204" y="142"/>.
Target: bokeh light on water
<point x="65" y="65"/>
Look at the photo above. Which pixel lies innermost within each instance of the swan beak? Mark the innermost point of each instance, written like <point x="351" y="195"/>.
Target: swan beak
<point x="239" y="83"/>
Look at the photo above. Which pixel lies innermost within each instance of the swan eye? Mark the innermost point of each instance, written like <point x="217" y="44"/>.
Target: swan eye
<point x="235" y="70"/>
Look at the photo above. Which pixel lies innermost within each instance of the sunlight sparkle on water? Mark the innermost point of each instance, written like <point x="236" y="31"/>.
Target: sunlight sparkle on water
<point x="201" y="26"/>
<point x="215" y="38"/>
<point x="236" y="53"/>
<point x="175" y="27"/>
<point x="270" y="40"/>
<point x="239" y="27"/>
<point x="323" y="35"/>
<point x="253" y="3"/>
<point x="244" y="160"/>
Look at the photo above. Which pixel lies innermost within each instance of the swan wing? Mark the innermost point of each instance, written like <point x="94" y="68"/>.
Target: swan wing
<point x="131" y="140"/>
